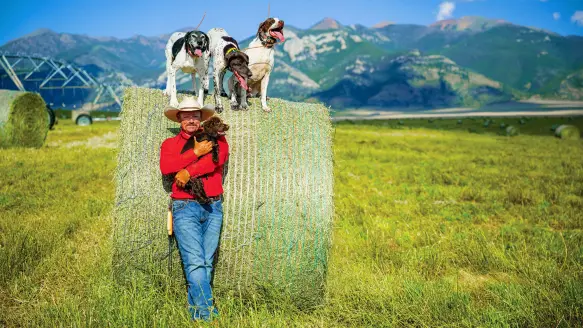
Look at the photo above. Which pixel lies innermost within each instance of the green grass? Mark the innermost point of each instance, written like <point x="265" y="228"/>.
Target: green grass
<point x="433" y="227"/>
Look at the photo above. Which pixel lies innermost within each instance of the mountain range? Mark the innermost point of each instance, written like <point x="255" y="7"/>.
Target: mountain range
<point x="469" y="61"/>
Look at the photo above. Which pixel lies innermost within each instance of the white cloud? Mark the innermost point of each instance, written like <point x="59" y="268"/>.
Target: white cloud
<point x="556" y="16"/>
<point x="446" y="9"/>
<point x="577" y="18"/>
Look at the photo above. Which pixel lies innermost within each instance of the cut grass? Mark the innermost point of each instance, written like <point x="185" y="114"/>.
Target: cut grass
<point x="432" y="228"/>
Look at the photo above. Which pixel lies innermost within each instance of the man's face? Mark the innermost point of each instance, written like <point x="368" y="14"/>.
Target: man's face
<point x="190" y="121"/>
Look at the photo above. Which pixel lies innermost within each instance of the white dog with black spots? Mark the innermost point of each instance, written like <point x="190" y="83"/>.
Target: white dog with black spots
<point x="190" y="53"/>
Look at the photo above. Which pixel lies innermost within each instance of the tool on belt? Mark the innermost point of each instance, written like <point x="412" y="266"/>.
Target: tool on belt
<point x="170" y="234"/>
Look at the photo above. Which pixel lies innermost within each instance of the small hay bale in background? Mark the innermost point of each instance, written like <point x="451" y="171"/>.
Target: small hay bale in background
<point x="24" y="121"/>
<point x="278" y="197"/>
<point x="568" y="132"/>
<point x="512" y="131"/>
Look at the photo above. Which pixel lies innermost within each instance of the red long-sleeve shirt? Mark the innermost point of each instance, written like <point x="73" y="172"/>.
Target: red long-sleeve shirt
<point x="172" y="161"/>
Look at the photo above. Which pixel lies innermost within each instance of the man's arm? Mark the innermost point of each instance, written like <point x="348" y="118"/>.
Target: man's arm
<point x="172" y="161"/>
<point x="205" y="164"/>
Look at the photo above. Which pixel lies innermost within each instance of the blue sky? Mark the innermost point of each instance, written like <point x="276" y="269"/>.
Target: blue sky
<point x="124" y="19"/>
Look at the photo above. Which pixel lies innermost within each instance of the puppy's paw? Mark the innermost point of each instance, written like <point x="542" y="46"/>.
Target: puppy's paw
<point x="244" y="105"/>
<point x="234" y="104"/>
<point x="219" y="108"/>
<point x="266" y="109"/>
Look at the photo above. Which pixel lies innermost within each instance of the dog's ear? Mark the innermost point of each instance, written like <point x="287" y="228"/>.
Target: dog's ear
<point x="264" y="27"/>
<point x="176" y="47"/>
<point x="245" y="57"/>
<point x="230" y="56"/>
<point x="207" y="42"/>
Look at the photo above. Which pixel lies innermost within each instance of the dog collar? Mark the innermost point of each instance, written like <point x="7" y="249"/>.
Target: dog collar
<point x="231" y="50"/>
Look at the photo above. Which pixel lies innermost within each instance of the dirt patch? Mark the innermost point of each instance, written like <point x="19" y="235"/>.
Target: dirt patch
<point x="108" y="140"/>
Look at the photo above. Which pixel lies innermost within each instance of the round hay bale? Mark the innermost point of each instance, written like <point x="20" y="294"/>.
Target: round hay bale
<point x="568" y="132"/>
<point x="512" y="131"/>
<point x="278" y="197"/>
<point x="23" y="119"/>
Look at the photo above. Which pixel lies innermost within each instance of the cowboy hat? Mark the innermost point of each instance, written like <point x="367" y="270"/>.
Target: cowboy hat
<point x="189" y="104"/>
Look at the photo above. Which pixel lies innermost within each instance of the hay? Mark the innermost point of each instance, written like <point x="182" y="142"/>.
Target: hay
<point x="278" y="203"/>
<point x="568" y="132"/>
<point x="23" y="119"/>
<point x="512" y="131"/>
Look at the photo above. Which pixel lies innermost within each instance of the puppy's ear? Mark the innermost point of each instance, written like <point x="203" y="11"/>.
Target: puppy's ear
<point x="245" y="57"/>
<point x="232" y="55"/>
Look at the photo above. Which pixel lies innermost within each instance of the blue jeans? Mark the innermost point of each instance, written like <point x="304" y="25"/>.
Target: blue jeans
<point x="197" y="229"/>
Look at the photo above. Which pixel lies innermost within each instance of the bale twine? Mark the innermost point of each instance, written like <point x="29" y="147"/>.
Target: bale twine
<point x="23" y="119"/>
<point x="568" y="132"/>
<point x="278" y="197"/>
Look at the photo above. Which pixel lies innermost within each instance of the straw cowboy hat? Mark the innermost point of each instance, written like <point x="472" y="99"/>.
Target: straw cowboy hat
<point x="189" y="104"/>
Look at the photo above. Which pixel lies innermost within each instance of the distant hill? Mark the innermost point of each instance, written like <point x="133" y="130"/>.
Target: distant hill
<point x="413" y="81"/>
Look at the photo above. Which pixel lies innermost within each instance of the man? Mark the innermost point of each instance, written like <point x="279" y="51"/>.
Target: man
<point x="196" y="226"/>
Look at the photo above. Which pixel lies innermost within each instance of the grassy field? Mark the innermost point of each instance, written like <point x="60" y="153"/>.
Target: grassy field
<point x="434" y="226"/>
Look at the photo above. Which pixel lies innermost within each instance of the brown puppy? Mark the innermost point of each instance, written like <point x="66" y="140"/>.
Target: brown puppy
<point x="213" y="128"/>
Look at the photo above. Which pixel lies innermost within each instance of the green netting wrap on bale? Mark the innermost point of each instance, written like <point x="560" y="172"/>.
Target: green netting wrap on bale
<point x="23" y="119"/>
<point x="568" y="132"/>
<point x="278" y="199"/>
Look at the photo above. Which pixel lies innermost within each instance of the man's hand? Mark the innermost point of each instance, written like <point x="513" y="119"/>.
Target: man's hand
<point x="182" y="178"/>
<point x="202" y="148"/>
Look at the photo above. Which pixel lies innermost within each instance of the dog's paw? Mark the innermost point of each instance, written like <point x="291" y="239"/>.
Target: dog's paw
<point x="219" y="109"/>
<point x="266" y="109"/>
<point x="174" y="103"/>
<point x="244" y="105"/>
